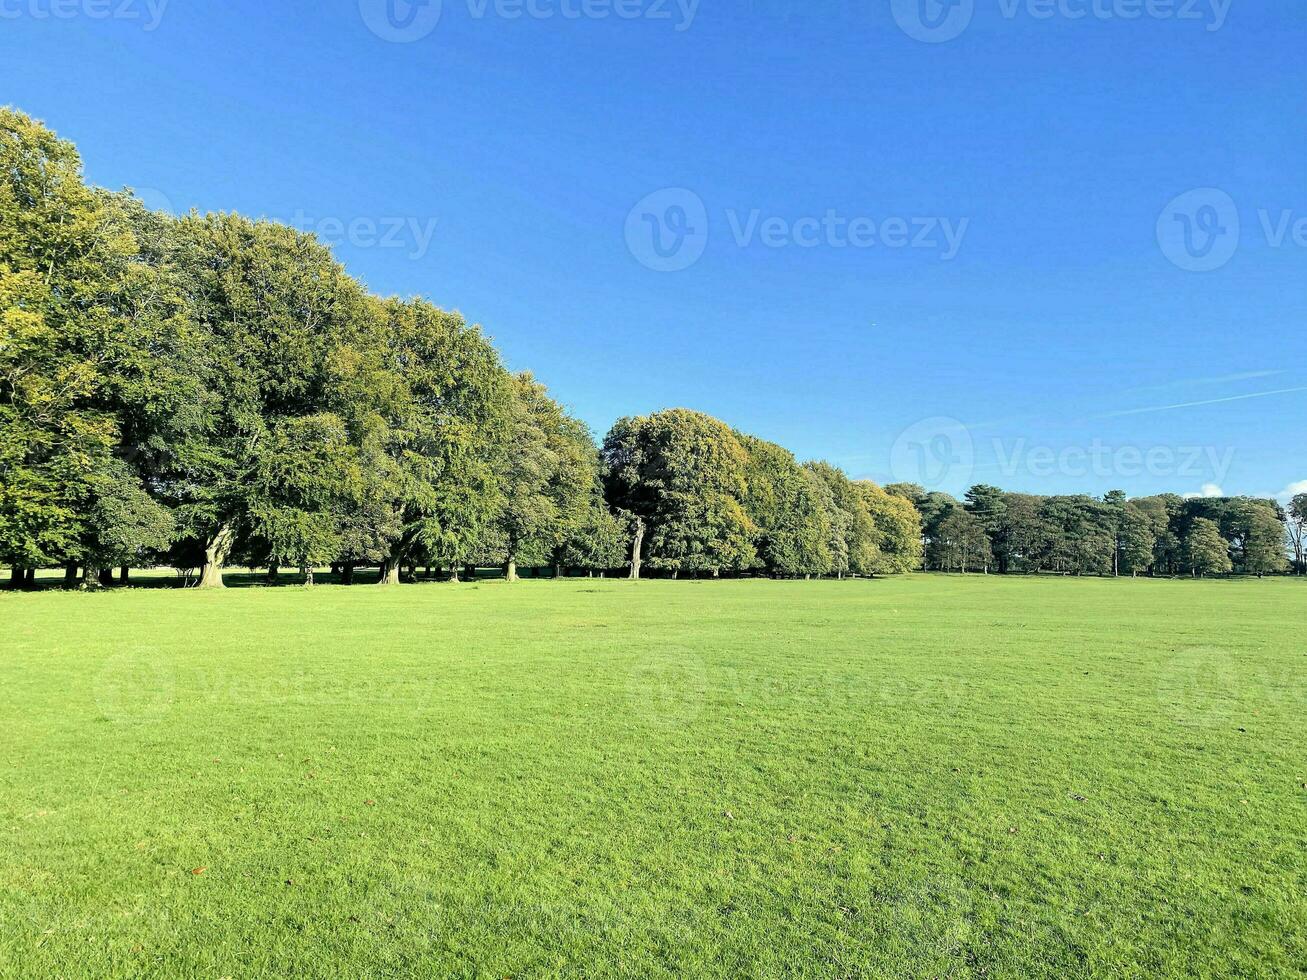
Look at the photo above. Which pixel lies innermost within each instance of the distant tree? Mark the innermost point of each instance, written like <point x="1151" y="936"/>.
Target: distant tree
<point x="960" y="542"/>
<point x="851" y="516"/>
<point x="1135" y="541"/>
<point x="1023" y="536"/>
<point x="787" y="508"/>
<point x="1297" y="527"/>
<point x="1205" y="550"/>
<point x="681" y="475"/>
<point x="1257" y="531"/>
<point x="1080" y="535"/>
<point x="1164" y="515"/>
<point x="548" y="478"/>
<point x="988" y="505"/>
<point x="933" y="506"/>
<point x="899" y="528"/>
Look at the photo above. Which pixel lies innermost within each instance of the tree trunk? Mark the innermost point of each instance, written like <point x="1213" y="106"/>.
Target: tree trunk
<point x="106" y="577"/>
<point x="216" y="550"/>
<point x="637" y="544"/>
<point x="675" y="572"/>
<point x="389" y="572"/>
<point x="558" y="570"/>
<point x="307" y="571"/>
<point x="347" y="573"/>
<point x="125" y="574"/>
<point x="453" y="574"/>
<point x="470" y="573"/>
<point x="273" y="573"/>
<point x="91" y="578"/>
<point x="70" y="575"/>
<point x="510" y="570"/>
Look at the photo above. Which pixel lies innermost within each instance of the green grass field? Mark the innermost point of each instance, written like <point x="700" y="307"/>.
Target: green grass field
<point x="930" y="776"/>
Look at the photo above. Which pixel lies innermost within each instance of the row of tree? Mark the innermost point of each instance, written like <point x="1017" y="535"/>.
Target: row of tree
<point x="207" y="390"/>
<point x="1159" y="535"/>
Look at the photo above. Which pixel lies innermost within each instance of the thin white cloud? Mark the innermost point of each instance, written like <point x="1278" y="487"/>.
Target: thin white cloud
<point x="1196" y="404"/>
<point x="1217" y="380"/>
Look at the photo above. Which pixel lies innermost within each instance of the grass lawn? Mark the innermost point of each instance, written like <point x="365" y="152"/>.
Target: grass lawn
<point x="930" y="776"/>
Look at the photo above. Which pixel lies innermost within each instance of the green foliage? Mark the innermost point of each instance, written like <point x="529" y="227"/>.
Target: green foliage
<point x="684" y="475"/>
<point x="208" y="387"/>
<point x="1205" y="551"/>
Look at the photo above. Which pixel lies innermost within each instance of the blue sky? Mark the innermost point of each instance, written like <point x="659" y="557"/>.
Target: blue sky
<point x="1058" y="245"/>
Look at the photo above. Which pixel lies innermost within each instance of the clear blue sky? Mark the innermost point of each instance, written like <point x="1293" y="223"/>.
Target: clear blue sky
<point x="1061" y="328"/>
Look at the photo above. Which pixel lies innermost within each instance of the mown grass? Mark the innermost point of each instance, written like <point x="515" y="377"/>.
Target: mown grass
<point x="929" y="776"/>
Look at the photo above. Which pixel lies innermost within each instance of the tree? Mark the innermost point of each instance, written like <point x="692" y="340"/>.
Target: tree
<point x="899" y="528"/>
<point x="1205" y="550"/>
<point x="1080" y="536"/>
<point x="597" y="541"/>
<point x="550" y="474"/>
<point x="1297" y="526"/>
<point x="443" y="409"/>
<point x="789" y="510"/>
<point x="960" y="542"/>
<point x="1023" y="536"/>
<point x="1136" y="542"/>
<point x="280" y="324"/>
<point x="682" y="476"/>
<point x="1257" y="530"/>
<point x="988" y="505"/>
<point x="56" y="437"/>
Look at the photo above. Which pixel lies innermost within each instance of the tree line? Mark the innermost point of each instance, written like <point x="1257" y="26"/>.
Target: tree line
<point x="992" y="529"/>
<point x="208" y="391"/>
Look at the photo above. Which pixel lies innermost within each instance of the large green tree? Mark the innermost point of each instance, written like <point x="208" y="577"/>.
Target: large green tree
<point x="279" y="330"/>
<point x="439" y="440"/>
<point x="680" y="477"/>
